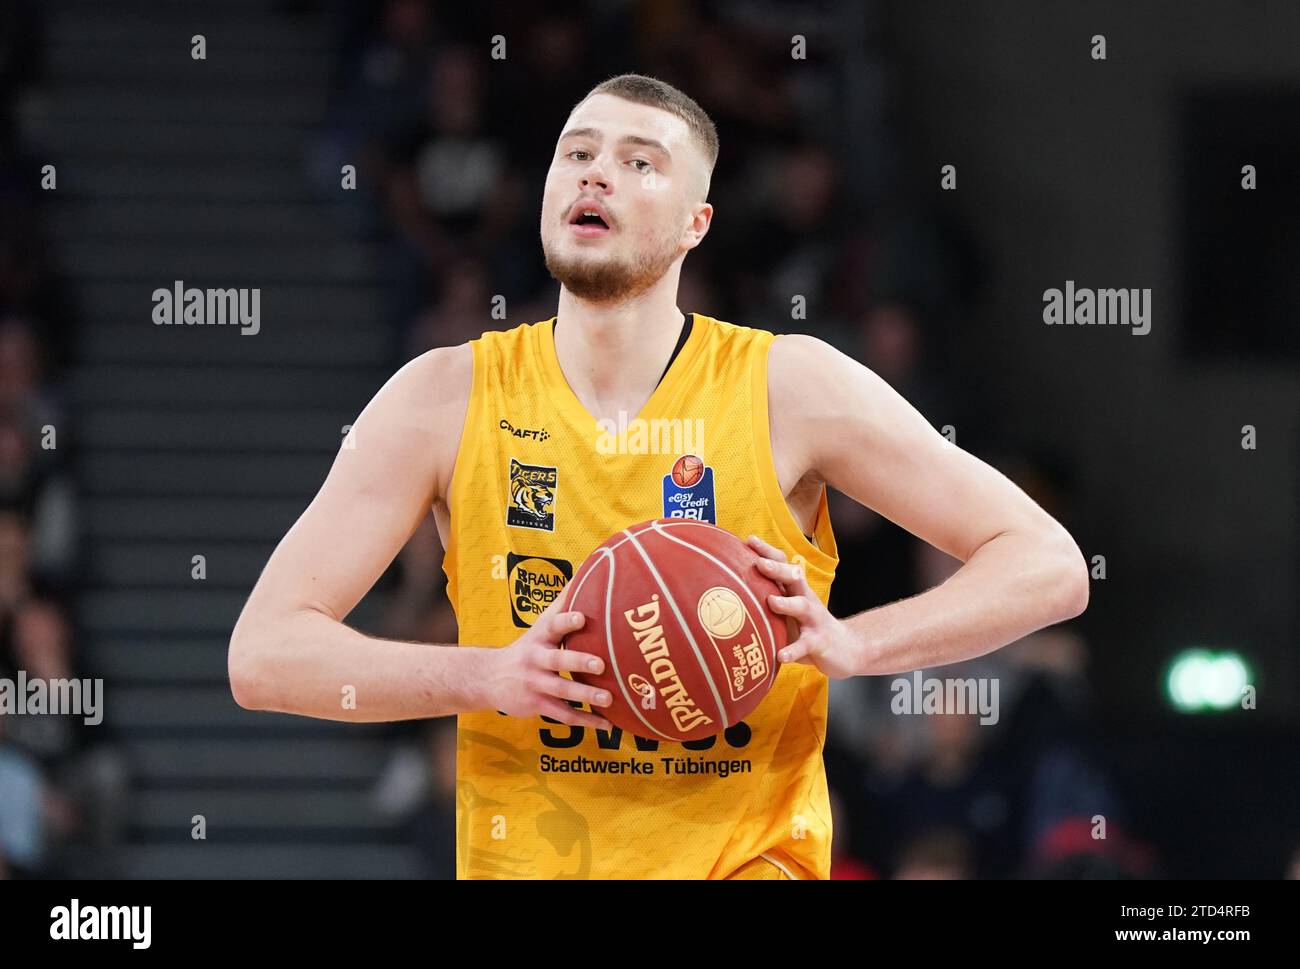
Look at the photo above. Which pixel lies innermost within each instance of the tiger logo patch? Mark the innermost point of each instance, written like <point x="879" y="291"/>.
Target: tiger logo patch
<point x="532" y="496"/>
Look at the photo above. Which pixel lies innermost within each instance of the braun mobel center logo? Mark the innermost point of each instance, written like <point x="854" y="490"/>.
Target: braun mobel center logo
<point x="535" y="582"/>
<point x="532" y="496"/>
<point x="688" y="490"/>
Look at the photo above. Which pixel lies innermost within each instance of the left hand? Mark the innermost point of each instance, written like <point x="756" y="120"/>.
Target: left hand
<point x="824" y="641"/>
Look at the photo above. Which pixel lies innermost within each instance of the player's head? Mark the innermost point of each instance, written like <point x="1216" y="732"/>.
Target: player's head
<point x="641" y="153"/>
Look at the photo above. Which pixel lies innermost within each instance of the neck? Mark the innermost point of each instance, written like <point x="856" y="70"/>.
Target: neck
<point x="613" y="354"/>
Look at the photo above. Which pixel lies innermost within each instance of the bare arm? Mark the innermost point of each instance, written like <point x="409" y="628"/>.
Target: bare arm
<point x="1022" y="570"/>
<point x="291" y="651"/>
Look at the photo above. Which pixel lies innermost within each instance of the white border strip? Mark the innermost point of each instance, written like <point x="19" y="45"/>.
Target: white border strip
<point x="788" y="873"/>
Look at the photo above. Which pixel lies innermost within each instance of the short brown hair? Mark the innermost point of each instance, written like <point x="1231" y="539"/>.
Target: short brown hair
<point x="642" y="89"/>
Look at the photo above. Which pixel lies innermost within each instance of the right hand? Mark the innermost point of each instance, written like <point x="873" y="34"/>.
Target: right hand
<point x="523" y="679"/>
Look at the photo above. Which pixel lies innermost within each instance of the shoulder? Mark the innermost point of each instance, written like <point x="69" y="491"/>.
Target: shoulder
<point x="436" y="379"/>
<point x="803" y="372"/>
<point x="789" y="355"/>
<point x="442" y="379"/>
<point x="421" y="410"/>
<point x="814" y="388"/>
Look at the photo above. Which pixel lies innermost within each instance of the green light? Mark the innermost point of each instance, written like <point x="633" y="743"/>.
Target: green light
<point x="1198" y="680"/>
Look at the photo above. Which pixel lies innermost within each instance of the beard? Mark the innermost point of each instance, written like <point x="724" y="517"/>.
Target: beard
<point x="599" y="278"/>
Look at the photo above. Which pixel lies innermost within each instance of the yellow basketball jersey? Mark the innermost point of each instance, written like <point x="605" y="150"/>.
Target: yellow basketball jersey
<point x="538" y="484"/>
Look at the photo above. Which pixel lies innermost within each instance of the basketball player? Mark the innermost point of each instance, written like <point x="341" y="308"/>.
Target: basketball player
<point x="500" y="438"/>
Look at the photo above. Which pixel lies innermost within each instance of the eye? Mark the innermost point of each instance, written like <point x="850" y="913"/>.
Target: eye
<point x="579" y="151"/>
<point x="641" y="161"/>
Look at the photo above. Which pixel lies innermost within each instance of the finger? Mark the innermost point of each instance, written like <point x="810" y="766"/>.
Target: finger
<point x="557" y="626"/>
<point x="800" y="586"/>
<point x="782" y="572"/>
<point x="558" y="686"/>
<point x="571" y="661"/>
<point x="564" y="713"/>
<point x="558" y="604"/>
<point x="797" y="607"/>
<point x="795" y="652"/>
<point x="766" y="550"/>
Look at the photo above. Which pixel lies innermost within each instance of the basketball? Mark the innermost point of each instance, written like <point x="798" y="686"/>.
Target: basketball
<point x="678" y="611"/>
<point x="687" y="470"/>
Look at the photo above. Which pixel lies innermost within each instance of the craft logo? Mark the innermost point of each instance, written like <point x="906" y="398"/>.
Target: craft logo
<point x="538" y="434"/>
<point x="534" y="582"/>
<point x="688" y="490"/>
<point x="532" y="496"/>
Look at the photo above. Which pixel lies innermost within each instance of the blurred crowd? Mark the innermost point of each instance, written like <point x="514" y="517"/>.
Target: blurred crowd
<point x="455" y="148"/>
<point x="62" y="786"/>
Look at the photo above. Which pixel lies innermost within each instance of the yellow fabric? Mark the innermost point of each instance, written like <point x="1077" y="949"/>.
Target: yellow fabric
<point x="537" y="486"/>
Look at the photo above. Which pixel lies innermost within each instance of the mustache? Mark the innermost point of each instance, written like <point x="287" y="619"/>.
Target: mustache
<point x="564" y="216"/>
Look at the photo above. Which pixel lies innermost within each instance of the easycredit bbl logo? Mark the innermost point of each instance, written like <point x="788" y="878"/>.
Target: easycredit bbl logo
<point x="734" y="635"/>
<point x="534" y="583"/>
<point x="688" y="490"/>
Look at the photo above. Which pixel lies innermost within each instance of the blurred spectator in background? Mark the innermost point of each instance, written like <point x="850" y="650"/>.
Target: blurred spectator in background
<point x="461" y="311"/>
<point x="893" y="343"/>
<point x="433" y="823"/>
<point x="447" y="184"/>
<point x="41" y="493"/>
<point x="22" y="811"/>
<point x="780" y="244"/>
<point x="24" y="390"/>
<point x="939" y="854"/>
<point x="86" y="777"/>
<point x="958" y="783"/>
<point x="418" y="790"/>
<point x="16" y="586"/>
<point x="845" y="865"/>
<point x="379" y="88"/>
<point x="1074" y="850"/>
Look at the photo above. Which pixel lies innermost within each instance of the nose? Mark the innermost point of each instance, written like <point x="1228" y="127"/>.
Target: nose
<point x="594" y="175"/>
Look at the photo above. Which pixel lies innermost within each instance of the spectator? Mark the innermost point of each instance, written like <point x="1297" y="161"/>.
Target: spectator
<point x="42" y="494"/>
<point x="22" y="813"/>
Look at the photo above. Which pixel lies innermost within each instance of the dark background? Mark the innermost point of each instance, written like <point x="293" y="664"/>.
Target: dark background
<point x="181" y="441"/>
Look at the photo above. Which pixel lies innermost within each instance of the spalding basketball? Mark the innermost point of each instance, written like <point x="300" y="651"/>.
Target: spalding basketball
<point x="687" y="470"/>
<point x="678" y="611"/>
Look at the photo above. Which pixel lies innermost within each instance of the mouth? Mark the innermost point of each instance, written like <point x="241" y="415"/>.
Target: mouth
<point x="589" y="219"/>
